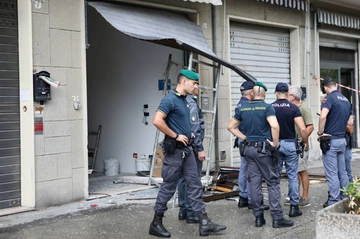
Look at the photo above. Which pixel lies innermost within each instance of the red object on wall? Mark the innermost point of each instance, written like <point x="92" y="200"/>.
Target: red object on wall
<point x="39" y="126"/>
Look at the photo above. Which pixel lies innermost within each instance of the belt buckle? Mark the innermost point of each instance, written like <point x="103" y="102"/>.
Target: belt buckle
<point x="256" y="144"/>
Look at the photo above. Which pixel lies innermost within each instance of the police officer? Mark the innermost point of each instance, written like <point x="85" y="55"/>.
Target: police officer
<point x="294" y="97"/>
<point x="244" y="190"/>
<point x="262" y="141"/>
<point x="334" y="117"/>
<point x="198" y="129"/>
<point x="288" y="115"/>
<point x="172" y="118"/>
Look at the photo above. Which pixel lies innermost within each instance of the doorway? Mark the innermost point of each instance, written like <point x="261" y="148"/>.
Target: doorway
<point x="339" y="64"/>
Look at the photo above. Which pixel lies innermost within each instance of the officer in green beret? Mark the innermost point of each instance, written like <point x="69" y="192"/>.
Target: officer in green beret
<point x="261" y="148"/>
<point x="173" y="119"/>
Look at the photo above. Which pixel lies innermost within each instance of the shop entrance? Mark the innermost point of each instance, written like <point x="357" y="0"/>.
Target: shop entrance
<point x="339" y="64"/>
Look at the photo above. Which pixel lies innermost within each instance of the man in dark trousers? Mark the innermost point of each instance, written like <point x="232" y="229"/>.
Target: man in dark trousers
<point x="334" y="117"/>
<point x="246" y="89"/>
<point x="262" y="139"/>
<point x="173" y="119"/>
<point x="288" y="115"/>
<point x="198" y="129"/>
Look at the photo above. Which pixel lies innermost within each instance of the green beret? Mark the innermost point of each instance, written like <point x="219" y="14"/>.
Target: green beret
<point x="189" y="74"/>
<point x="258" y="83"/>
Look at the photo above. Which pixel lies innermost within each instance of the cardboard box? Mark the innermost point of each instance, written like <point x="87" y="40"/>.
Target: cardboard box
<point x="159" y="156"/>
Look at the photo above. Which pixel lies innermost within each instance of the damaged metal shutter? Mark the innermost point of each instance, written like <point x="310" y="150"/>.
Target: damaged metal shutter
<point x="263" y="52"/>
<point x="9" y="106"/>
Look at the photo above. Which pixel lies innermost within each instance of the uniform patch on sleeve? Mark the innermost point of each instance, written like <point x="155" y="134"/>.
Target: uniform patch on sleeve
<point x="324" y="100"/>
<point x="193" y="118"/>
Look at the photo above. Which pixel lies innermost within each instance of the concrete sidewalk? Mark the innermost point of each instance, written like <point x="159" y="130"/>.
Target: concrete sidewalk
<point x="128" y="216"/>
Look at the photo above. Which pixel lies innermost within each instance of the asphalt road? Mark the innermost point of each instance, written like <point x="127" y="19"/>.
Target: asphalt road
<point x="118" y="217"/>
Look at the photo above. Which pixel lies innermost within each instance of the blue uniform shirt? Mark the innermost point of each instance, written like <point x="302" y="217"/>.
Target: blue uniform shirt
<point x="286" y="112"/>
<point x="254" y="118"/>
<point x="196" y="121"/>
<point x="176" y="109"/>
<point x="339" y="113"/>
<point x="242" y="101"/>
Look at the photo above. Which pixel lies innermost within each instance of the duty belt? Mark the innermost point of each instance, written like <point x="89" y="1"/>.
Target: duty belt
<point x="255" y="144"/>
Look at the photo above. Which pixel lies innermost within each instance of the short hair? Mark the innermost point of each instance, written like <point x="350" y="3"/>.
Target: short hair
<point x="245" y="92"/>
<point x="179" y="78"/>
<point x="296" y="92"/>
<point x="259" y="91"/>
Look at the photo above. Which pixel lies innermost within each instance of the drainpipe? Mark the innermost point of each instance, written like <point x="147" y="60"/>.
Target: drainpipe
<point x="216" y="134"/>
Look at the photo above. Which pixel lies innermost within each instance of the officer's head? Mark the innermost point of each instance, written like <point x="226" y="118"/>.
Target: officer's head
<point x="327" y="85"/>
<point x="281" y="90"/>
<point x="295" y="93"/>
<point x="259" y="90"/>
<point x="246" y="88"/>
<point x="187" y="81"/>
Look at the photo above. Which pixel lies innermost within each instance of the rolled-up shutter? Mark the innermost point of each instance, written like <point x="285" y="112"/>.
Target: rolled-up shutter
<point x="9" y="106"/>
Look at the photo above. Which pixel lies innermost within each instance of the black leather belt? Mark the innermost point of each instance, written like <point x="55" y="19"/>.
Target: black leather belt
<point x="255" y="144"/>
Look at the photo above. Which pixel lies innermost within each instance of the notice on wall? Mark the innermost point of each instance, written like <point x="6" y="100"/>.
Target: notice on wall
<point x="38" y="125"/>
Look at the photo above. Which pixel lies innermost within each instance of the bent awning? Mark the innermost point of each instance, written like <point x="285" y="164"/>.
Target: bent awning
<point x="162" y="27"/>
<point x="293" y="4"/>
<point x="337" y="19"/>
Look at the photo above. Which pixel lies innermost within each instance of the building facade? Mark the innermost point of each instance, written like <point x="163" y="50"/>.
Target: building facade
<point x="111" y="74"/>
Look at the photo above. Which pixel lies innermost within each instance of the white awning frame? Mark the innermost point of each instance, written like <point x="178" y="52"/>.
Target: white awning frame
<point x="213" y="2"/>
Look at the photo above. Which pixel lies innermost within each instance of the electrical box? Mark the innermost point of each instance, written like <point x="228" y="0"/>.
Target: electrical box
<point x="41" y="88"/>
<point x="204" y="102"/>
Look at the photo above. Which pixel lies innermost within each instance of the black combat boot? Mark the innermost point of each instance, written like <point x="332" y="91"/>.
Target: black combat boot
<point x="243" y="202"/>
<point x="282" y="223"/>
<point x="260" y="221"/>
<point x="294" y="211"/>
<point x="157" y="228"/>
<point x="207" y="227"/>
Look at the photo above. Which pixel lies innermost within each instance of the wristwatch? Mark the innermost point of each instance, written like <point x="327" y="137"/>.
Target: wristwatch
<point x="319" y="133"/>
<point x="177" y="135"/>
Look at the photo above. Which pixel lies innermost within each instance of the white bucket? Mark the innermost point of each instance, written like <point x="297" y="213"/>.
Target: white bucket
<point x="111" y="167"/>
<point x="142" y="164"/>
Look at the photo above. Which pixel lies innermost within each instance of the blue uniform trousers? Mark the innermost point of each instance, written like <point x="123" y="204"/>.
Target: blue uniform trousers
<point x="348" y="158"/>
<point x="261" y="166"/>
<point x="335" y="172"/>
<point x="244" y="187"/>
<point x="183" y="199"/>
<point x="182" y="162"/>
<point x="289" y="156"/>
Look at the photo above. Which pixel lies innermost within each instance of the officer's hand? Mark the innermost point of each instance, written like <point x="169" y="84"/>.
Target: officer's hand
<point x="201" y="155"/>
<point x="324" y="134"/>
<point x="183" y="139"/>
<point x="271" y="143"/>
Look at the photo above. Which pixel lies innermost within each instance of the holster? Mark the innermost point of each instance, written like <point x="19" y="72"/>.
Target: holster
<point x="236" y="145"/>
<point x="242" y="148"/>
<point x="262" y="148"/>
<point x="325" y="143"/>
<point x="195" y="149"/>
<point x="169" y="145"/>
<point x="300" y="148"/>
<point x="274" y="151"/>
